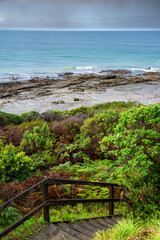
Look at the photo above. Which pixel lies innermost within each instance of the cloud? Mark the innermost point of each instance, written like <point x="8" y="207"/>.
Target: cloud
<point x="80" y="13"/>
<point x="1" y="19"/>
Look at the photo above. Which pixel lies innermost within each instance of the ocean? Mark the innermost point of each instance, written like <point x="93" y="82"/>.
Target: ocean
<point x="27" y="54"/>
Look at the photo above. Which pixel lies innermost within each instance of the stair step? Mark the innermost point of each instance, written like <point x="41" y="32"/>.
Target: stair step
<point x="109" y="221"/>
<point x="96" y="224"/>
<point x="83" y="230"/>
<point x="61" y="235"/>
<point x="104" y="223"/>
<point x="75" y="233"/>
<point x="115" y="220"/>
<point x="88" y="226"/>
<point x="46" y="232"/>
<point x="79" y="230"/>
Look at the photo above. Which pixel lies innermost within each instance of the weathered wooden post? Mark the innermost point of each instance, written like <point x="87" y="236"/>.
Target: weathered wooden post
<point x="111" y="204"/>
<point x="45" y="198"/>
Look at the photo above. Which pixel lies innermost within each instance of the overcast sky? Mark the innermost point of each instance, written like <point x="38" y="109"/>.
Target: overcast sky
<point x="80" y="14"/>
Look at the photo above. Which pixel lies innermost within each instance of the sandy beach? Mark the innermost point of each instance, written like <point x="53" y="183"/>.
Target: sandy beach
<point x="69" y="91"/>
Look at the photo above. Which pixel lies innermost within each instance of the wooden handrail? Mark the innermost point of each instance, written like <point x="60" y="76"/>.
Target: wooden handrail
<point x="48" y="202"/>
<point x="53" y="181"/>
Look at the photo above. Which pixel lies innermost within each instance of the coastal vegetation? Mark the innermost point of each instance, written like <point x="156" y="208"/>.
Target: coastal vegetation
<point x="115" y="142"/>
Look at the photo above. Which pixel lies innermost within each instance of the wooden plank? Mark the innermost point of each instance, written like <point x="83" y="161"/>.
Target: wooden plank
<point x="45" y="198"/>
<point x="105" y="224"/>
<point x="61" y="235"/>
<point x="109" y="221"/>
<point x="111" y="204"/>
<point x="78" y="182"/>
<point x="75" y="201"/>
<point x="81" y="229"/>
<point x="88" y="226"/>
<point x="95" y="224"/>
<point x="114" y="220"/>
<point x="66" y="228"/>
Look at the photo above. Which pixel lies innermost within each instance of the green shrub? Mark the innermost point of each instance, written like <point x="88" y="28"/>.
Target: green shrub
<point x="92" y="132"/>
<point x="9" y="118"/>
<point x="43" y="159"/>
<point x="73" y="112"/>
<point x="136" y="140"/>
<point x="9" y="216"/>
<point x="39" y="140"/>
<point x="29" y="116"/>
<point x="14" y="164"/>
<point x="30" y="125"/>
<point x="121" y="105"/>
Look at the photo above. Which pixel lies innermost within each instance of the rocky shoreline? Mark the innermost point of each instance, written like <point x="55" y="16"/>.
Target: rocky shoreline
<point x="69" y="91"/>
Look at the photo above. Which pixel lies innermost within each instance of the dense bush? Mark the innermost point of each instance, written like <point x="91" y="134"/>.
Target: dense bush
<point x="12" y="134"/>
<point x="39" y="140"/>
<point x="9" y="118"/>
<point x="43" y="159"/>
<point x="9" y="216"/>
<point x="75" y="111"/>
<point x="50" y="116"/>
<point x="69" y="126"/>
<point x="14" y="164"/>
<point x="86" y="143"/>
<point x="31" y="125"/>
<point x="137" y="149"/>
<point x="29" y="116"/>
<point x="110" y="142"/>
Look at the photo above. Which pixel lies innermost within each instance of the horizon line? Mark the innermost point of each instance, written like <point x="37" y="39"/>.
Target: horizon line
<point x="82" y="30"/>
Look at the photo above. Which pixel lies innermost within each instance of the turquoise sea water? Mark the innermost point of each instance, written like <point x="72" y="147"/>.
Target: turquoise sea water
<point x="24" y="54"/>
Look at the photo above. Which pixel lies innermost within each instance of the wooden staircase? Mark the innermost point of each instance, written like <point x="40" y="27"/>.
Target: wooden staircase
<point x="79" y="230"/>
<point x="83" y="229"/>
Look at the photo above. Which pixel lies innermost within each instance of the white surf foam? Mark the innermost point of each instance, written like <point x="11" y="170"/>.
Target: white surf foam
<point x="87" y="69"/>
<point x="145" y="69"/>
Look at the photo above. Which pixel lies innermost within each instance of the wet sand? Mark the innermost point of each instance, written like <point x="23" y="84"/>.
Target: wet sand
<point x="69" y="91"/>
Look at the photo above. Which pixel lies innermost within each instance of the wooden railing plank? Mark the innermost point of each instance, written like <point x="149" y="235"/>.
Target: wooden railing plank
<point x="45" y="198"/>
<point x="76" y="201"/>
<point x="78" y="182"/>
<point x="111" y="205"/>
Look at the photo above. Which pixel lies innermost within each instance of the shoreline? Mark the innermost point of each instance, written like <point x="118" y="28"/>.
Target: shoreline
<point x="69" y="91"/>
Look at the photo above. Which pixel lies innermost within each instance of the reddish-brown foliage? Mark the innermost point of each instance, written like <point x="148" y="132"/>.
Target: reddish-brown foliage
<point x="68" y="127"/>
<point x="25" y="205"/>
<point x="12" y="135"/>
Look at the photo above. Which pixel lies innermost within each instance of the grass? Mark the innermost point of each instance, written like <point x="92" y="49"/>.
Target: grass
<point x="132" y="229"/>
<point x="26" y="230"/>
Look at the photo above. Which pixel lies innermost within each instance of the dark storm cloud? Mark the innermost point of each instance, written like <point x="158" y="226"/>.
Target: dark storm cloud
<point x="80" y="14"/>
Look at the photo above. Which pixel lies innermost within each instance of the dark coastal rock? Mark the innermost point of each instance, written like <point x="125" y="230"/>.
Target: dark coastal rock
<point x="119" y="72"/>
<point x="38" y="87"/>
<point x="65" y="74"/>
<point x="59" y="102"/>
<point x="76" y="99"/>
